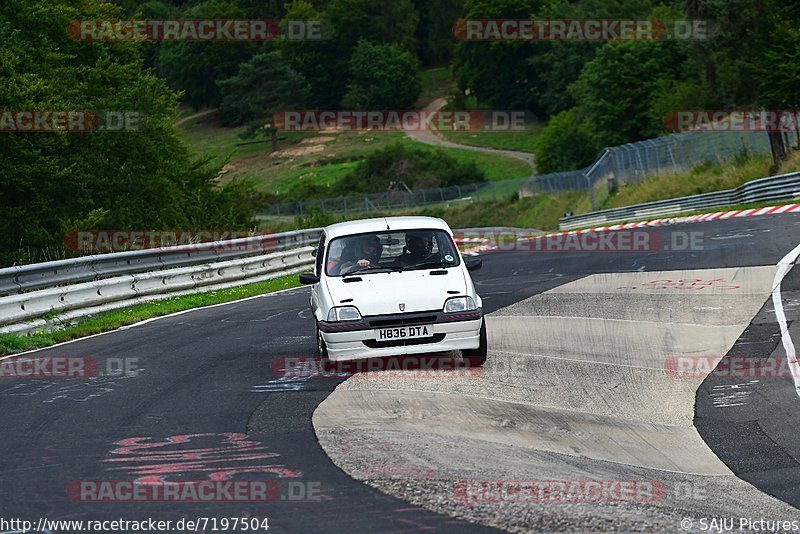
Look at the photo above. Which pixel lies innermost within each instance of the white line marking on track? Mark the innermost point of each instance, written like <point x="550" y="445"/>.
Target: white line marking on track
<point x="788" y="345"/>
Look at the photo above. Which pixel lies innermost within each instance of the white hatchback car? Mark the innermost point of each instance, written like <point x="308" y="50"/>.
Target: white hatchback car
<point x="394" y="286"/>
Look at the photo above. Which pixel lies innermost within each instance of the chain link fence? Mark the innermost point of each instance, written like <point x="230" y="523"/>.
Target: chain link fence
<point x="661" y="156"/>
<point x="617" y="165"/>
<point x="394" y="200"/>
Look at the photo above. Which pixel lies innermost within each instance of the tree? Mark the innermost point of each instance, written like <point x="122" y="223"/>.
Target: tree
<point x="567" y="143"/>
<point x="496" y="73"/>
<point x="616" y="89"/>
<point x="378" y="21"/>
<point x="51" y="183"/>
<point x="309" y="57"/>
<point x="263" y="86"/>
<point x="382" y="77"/>
<point x="435" y="29"/>
<point x="195" y="67"/>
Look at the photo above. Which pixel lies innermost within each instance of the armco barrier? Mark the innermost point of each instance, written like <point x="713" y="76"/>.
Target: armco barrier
<point x="25" y="306"/>
<point x="782" y="187"/>
<point x="86" y="268"/>
<point x="81" y="286"/>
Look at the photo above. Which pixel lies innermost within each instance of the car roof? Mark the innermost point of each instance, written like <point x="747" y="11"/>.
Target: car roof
<point x="364" y="226"/>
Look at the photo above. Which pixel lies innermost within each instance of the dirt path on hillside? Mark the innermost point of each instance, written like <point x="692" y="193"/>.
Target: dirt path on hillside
<point x="194" y="116"/>
<point x="431" y="138"/>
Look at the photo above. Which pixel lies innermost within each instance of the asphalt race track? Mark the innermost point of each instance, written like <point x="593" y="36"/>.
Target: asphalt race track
<point x="202" y="396"/>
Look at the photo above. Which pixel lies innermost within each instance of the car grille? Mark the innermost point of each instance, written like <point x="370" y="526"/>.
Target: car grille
<point x="402" y="321"/>
<point x="375" y="344"/>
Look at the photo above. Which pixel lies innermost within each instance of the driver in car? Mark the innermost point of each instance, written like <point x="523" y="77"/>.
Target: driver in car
<point x="368" y="254"/>
<point x="418" y="249"/>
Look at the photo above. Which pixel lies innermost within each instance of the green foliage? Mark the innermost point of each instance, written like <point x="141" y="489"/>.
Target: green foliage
<point x="417" y="168"/>
<point x="378" y="21"/>
<point x="52" y="182"/>
<point x="616" y="88"/>
<point x="314" y="217"/>
<point x="263" y="86"/>
<point x="310" y="57"/>
<point x="435" y="29"/>
<point x="195" y="67"/>
<point x="382" y="77"/>
<point x="567" y="143"/>
<point x="532" y="75"/>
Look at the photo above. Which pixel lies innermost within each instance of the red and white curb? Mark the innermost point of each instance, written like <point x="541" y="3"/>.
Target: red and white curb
<point x="482" y="244"/>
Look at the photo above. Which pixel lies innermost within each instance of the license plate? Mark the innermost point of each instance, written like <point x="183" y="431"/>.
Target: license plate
<point x="403" y="332"/>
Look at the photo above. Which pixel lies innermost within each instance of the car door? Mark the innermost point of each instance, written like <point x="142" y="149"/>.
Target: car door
<point x="318" y="270"/>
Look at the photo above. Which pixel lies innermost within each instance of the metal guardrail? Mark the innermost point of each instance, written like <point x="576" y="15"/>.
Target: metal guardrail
<point x="782" y="187"/>
<point x="87" y="268"/>
<point x="81" y="286"/>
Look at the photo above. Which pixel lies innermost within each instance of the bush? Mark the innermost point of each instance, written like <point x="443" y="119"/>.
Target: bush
<point x="417" y="168"/>
<point x="383" y="77"/>
<point x="566" y="143"/>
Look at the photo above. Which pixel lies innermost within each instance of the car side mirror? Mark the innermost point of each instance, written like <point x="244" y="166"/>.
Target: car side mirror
<point x="473" y="264"/>
<point x="307" y="278"/>
<point x="314" y="253"/>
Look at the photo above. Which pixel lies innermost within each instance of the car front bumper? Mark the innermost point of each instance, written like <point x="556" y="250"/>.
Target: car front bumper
<point x="358" y="341"/>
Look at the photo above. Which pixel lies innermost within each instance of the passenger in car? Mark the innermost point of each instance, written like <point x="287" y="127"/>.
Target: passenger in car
<point x="418" y="249"/>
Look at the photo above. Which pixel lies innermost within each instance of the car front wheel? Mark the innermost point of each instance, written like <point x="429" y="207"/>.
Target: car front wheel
<point x="477" y="357"/>
<point x="322" y="350"/>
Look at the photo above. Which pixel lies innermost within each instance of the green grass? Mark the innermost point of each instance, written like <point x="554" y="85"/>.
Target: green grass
<point x="522" y="141"/>
<point x="111" y="320"/>
<point x="493" y="166"/>
<point x="702" y="179"/>
<point x="276" y="173"/>
<point x="206" y="137"/>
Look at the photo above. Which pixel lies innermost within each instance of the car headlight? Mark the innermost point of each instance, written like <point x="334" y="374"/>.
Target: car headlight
<point x="344" y="313"/>
<point x="459" y="304"/>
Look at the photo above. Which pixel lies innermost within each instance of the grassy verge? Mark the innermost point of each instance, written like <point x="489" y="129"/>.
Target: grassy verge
<point x="521" y="141"/>
<point x="702" y="179"/>
<point x="493" y="166"/>
<point x="111" y="320"/>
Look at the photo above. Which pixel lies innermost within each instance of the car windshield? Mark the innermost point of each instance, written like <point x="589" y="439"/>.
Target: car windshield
<point x="394" y="250"/>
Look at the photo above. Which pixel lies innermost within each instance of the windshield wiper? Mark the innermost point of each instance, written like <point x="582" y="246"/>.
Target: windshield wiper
<point x="424" y="264"/>
<point x="373" y="268"/>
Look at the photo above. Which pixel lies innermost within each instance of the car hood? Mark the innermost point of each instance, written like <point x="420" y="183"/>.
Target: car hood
<point x="382" y="293"/>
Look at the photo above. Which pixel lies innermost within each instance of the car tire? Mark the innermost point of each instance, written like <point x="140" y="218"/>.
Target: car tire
<point x="322" y="350"/>
<point x="477" y="357"/>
